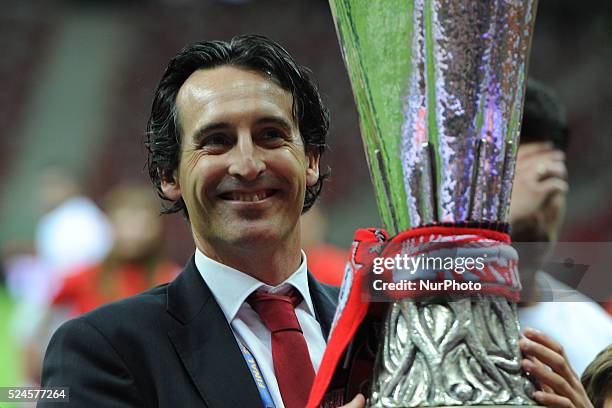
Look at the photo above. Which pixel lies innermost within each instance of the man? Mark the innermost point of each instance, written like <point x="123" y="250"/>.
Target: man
<point x="234" y="138"/>
<point x="536" y="213"/>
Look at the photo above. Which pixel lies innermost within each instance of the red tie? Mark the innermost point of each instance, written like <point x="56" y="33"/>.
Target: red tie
<point x="292" y="364"/>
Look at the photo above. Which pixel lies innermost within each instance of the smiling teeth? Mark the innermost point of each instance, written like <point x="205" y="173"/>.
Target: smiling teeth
<point x="248" y="197"/>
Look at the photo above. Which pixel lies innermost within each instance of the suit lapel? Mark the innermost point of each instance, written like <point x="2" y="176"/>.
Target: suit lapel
<point x="206" y="346"/>
<point x="324" y="299"/>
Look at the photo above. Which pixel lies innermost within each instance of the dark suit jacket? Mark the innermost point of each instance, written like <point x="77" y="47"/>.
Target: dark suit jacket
<point x="168" y="347"/>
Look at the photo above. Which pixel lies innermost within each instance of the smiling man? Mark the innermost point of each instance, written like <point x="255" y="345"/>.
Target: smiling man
<point x="234" y="138"/>
<point x="243" y="170"/>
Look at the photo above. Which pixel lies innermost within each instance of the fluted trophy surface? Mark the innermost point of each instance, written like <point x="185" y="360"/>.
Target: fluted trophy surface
<point x="439" y="90"/>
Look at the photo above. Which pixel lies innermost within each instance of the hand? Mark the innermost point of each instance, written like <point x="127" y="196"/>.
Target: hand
<point x="357" y="402"/>
<point x="540" y="173"/>
<point x="548" y="363"/>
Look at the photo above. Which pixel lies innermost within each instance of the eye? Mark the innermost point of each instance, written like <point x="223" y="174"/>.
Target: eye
<point x="216" y="140"/>
<point x="272" y="134"/>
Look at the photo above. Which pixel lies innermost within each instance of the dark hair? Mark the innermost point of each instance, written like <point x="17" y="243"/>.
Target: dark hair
<point x="543" y="117"/>
<point x="252" y="52"/>
<point x="597" y="378"/>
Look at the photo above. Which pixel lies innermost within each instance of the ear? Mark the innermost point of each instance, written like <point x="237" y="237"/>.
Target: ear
<point x="170" y="185"/>
<point x="312" y="171"/>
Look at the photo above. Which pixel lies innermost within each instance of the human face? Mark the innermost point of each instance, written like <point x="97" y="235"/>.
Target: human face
<point x="137" y="231"/>
<point x="243" y="168"/>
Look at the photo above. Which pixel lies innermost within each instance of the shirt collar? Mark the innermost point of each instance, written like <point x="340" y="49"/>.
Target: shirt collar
<point x="230" y="287"/>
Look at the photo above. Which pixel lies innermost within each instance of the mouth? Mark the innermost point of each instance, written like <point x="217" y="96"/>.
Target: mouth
<point x="248" y="196"/>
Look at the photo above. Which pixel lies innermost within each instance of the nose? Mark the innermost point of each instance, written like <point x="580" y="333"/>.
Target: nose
<point x="246" y="161"/>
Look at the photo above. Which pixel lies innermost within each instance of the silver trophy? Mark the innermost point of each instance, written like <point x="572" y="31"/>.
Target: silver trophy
<point x="439" y="90"/>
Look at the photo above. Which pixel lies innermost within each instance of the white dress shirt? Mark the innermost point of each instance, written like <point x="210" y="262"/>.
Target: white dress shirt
<point x="231" y="288"/>
<point x="574" y="320"/>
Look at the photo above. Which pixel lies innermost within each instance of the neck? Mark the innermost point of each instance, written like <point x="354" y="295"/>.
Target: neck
<point x="270" y="264"/>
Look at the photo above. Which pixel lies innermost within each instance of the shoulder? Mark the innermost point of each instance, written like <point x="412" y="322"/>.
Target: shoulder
<point x="331" y="291"/>
<point x="79" y="355"/>
<point x="589" y="315"/>
<point x="139" y="316"/>
<point x="99" y="340"/>
<point x="323" y="290"/>
<point x="135" y="311"/>
<point x="563" y="303"/>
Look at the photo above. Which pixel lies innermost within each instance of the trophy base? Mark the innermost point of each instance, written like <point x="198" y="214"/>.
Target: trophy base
<point x="415" y="371"/>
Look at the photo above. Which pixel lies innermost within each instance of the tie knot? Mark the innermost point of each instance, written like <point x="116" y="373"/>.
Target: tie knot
<point x="277" y="312"/>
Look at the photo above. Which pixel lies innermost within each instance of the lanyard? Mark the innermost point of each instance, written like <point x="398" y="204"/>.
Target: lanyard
<point x="264" y="393"/>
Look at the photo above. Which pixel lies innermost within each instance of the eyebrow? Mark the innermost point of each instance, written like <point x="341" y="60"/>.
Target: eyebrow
<point x="282" y="122"/>
<point x="199" y="133"/>
<point x="279" y="121"/>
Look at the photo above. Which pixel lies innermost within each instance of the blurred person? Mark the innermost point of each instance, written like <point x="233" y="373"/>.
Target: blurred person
<point x="234" y="138"/>
<point x="73" y="231"/>
<point x="135" y="263"/>
<point x="597" y="379"/>
<point x="537" y="210"/>
<point x="325" y="261"/>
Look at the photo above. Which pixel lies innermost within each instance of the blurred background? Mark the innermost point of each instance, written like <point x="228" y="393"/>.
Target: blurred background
<point x="77" y="83"/>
